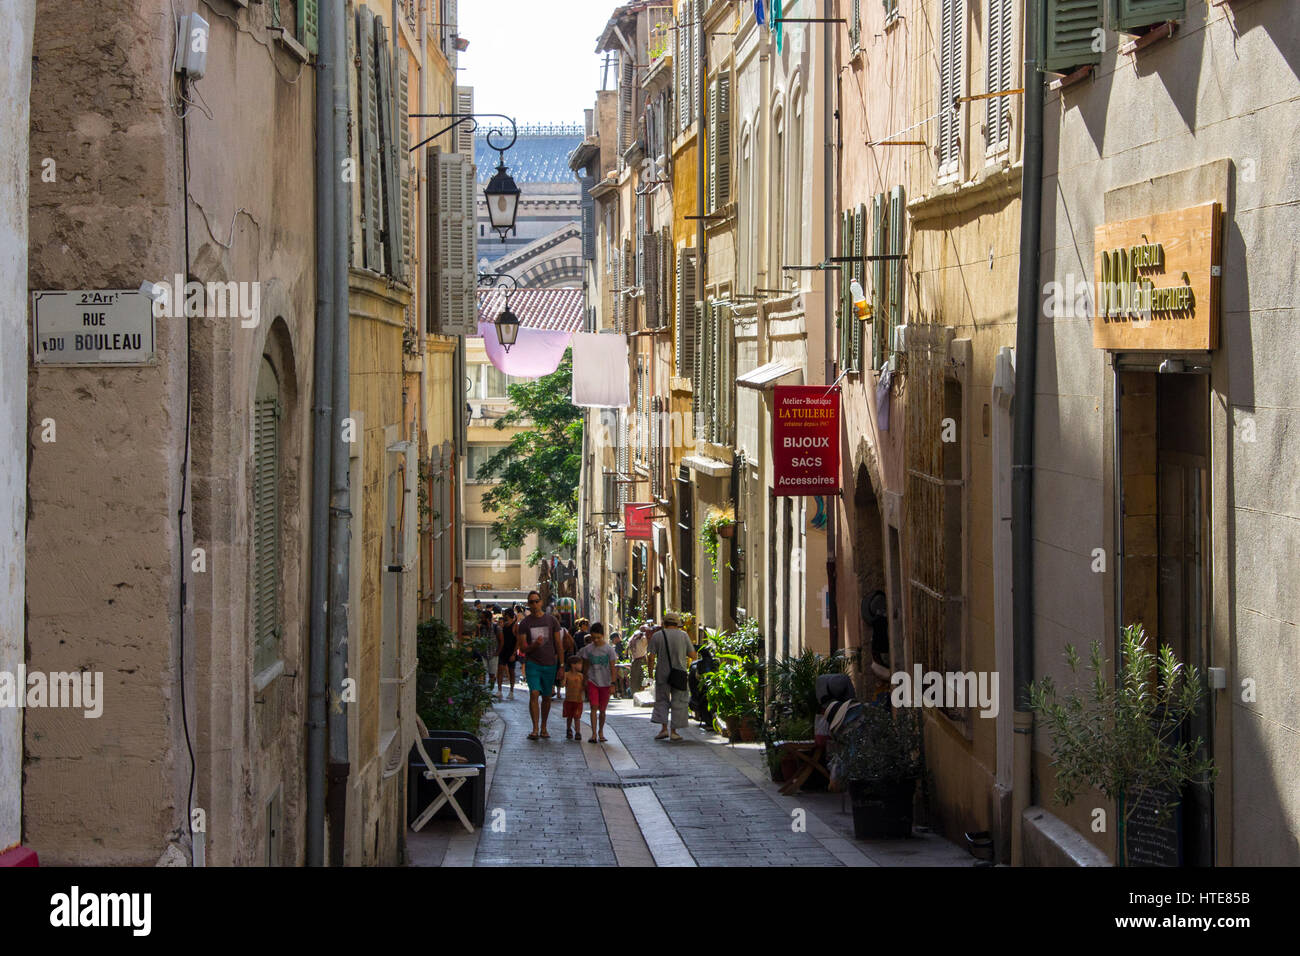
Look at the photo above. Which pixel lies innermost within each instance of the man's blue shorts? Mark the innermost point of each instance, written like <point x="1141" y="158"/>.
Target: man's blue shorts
<point x="540" y="678"/>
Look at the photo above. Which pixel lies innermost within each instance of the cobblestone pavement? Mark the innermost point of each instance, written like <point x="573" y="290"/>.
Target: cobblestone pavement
<point x="636" y="801"/>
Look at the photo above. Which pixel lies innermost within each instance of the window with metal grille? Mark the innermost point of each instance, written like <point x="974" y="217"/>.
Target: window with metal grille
<point x="266" y="520"/>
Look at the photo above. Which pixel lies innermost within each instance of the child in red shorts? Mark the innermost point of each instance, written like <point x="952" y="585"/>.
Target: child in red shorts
<point x="573" y="686"/>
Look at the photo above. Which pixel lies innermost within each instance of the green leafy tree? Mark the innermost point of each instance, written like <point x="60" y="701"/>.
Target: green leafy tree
<point x="539" y="470"/>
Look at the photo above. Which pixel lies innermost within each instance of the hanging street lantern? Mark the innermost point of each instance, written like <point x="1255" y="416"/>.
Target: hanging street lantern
<point x="502" y="197"/>
<point x="507" y="324"/>
<point x="501" y="193"/>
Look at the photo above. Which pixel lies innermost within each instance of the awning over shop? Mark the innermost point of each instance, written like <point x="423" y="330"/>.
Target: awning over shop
<point x="766" y="376"/>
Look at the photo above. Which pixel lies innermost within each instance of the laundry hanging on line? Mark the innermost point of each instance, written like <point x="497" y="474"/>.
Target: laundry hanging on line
<point x="536" y="352"/>
<point x="600" y="376"/>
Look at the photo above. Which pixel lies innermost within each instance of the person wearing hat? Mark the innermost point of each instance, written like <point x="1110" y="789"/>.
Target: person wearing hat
<point x="670" y="650"/>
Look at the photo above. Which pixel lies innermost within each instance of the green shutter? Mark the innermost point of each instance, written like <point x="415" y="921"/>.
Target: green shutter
<point x="266" y="521"/>
<point x="855" y="26"/>
<point x="897" y="204"/>
<point x="859" y="273"/>
<point x="308" y="25"/>
<point x="1070" y="42"/>
<point x="1134" y="14"/>
<point x="368" y="105"/>
<point x="846" y="298"/>
<point x="879" y="274"/>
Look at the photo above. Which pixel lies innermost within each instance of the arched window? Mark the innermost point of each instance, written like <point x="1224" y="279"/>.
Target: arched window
<point x="266" y="520"/>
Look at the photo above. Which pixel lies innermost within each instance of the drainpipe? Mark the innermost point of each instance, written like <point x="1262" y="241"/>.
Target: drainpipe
<point x="828" y="213"/>
<point x="322" y="416"/>
<point x="340" y="515"/>
<point x="1022" y="487"/>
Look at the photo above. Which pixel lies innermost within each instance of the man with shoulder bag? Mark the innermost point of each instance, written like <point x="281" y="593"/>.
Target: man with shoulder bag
<point x="671" y="653"/>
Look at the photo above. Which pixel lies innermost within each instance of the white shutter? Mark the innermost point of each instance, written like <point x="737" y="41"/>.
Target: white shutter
<point x="950" y="59"/>
<point x="465" y="131"/>
<point x="897" y="212"/>
<point x="711" y="148"/>
<point x="457" y="250"/>
<point x="1000" y="37"/>
<point x="694" y="65"/>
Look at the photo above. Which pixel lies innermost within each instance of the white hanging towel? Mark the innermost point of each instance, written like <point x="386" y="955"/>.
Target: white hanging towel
<point x="600" y="378"/>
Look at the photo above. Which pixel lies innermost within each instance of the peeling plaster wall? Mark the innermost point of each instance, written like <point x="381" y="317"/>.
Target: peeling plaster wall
<point x="105" y="559"/>
<point x="102" y="535"/>
<point x="15" y="80"/>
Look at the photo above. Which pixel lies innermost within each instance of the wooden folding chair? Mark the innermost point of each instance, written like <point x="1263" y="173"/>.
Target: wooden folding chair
<point x="440" y="775"/>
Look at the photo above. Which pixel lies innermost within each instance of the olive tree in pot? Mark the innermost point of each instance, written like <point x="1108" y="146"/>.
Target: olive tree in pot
<point x="1125" y="736"/>
<point x="883" y="762"/>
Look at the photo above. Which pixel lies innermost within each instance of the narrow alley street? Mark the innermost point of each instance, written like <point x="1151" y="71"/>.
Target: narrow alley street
<point x="636" y="801"/>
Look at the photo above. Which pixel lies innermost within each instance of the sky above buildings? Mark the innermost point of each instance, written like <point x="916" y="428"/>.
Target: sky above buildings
<point x="534" y="60"/>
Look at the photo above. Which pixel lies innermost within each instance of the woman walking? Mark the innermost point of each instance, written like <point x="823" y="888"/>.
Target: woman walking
<point x="507" y="653"/>
<point x="600" y="659"/>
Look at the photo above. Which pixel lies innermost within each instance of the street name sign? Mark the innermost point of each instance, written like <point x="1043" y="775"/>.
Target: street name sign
<point x="92" y="327"/>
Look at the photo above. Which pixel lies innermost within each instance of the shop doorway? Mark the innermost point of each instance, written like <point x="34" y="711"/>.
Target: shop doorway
<point x="1166" y="534"/>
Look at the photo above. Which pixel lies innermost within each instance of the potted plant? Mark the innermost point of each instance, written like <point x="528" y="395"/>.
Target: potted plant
<point x="715" y="523"/>
<point x="732" y="690"/>
<point x="1122" y="737"/>
<point x="882" y="763"/>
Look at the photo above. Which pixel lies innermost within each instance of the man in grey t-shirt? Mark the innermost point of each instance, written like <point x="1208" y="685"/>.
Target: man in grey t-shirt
<point x="670" y="647"/>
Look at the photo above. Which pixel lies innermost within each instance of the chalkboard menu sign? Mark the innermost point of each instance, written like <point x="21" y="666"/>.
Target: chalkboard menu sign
<point x="1150" y="839"/>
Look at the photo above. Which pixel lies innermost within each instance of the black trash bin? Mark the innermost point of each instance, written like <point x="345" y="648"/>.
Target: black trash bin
<point x="420" y="792"/>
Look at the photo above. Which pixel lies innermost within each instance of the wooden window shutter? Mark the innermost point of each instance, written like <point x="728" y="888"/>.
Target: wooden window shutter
<point x="897" y="287"/>
<point x="723" y="173"/>
<point x="1135" y="14"/>
<point x="879" y="279"/>
<point x="404" y="163"/>
<point x="433" y="264"/>
<point x="727" y="376"/>
<point x="711" y="174"/>
<point x="681" y="53"/>
<point x="846" y="303"/>
<point x="309" y="25"/>
<point x="859" y="273"/>
<point x="465" y="131"/>
<point x="626" y="81"/>
<point x="687" y="316"/>
<point x="368" y="97"/>
<point x="628" y="284"/>
<point x="665" y="276"/>
<point x="650" y="284"/>
<point x="694" y="66"/>
<point x="266" y="520"/>
<point x="457" y="246"/>
<point x="640" y="240"/>
<point x="999" y="41"/>
<point x="588" y="219"/>
<point x="356" y="243"/>
<point x="855" y="26"/>
<point x="387" y="95"/>
<point x="951" y="40"/>
<point x="1070" y="42"/>
<point x="701" y="386"/>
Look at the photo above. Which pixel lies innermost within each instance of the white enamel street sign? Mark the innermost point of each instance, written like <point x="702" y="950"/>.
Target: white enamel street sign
<point x="92" y="327"/>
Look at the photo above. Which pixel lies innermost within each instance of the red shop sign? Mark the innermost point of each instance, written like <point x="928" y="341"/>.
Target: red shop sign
<point x="806" y="440"/>
<point x="637" y="521"/>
